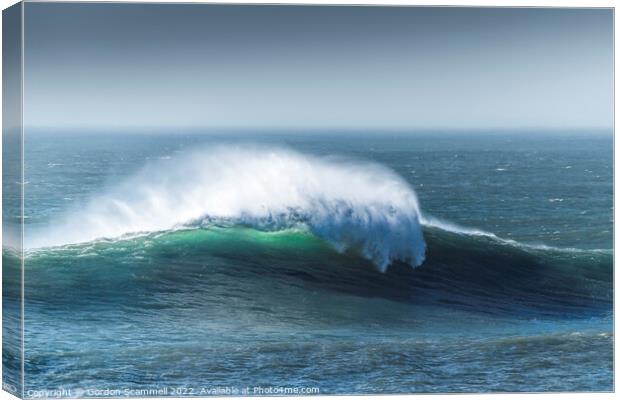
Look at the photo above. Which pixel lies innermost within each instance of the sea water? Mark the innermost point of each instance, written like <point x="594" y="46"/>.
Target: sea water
<point x="351" y="262"/>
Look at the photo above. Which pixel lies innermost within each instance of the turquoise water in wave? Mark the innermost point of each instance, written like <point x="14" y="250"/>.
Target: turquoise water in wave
<point x="205" y="270"/>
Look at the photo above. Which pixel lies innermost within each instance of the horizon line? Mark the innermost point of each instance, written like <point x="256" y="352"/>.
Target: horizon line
<point x="264" y="129"/>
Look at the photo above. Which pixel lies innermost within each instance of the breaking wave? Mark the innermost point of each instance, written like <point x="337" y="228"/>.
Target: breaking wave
<point x="350" y="204"/>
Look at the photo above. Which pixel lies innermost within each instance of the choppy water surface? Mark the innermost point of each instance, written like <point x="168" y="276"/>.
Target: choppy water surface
<point x="351" y="263"/>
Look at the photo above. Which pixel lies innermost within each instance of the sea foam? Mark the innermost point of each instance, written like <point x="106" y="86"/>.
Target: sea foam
<point x="353" y="205"/>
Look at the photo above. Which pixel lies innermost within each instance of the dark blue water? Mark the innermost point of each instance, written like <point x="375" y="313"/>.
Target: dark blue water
<point x="514" y="294"/>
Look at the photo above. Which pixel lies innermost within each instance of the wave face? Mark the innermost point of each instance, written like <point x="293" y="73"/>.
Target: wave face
<point x="219" y="266"/>
<point x="351" y="205"/>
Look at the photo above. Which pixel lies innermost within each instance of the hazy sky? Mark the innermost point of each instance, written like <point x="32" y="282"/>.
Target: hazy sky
<point x="213" y="66"/>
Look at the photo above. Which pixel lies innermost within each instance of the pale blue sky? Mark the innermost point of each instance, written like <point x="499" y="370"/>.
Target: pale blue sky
<point x="213" y="66"/>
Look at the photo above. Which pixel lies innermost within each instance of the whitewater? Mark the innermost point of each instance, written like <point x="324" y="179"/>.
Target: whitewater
<point x="351" y="204"/>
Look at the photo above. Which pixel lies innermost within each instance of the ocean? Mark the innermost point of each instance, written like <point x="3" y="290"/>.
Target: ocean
<point x="330" y="263"/>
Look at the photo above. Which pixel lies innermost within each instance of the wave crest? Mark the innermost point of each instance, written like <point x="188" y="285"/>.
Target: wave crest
<point x="352" y="205"/>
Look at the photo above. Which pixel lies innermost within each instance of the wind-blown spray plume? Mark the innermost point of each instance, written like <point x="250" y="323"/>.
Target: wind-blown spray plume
<point x="352" y="205"/>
